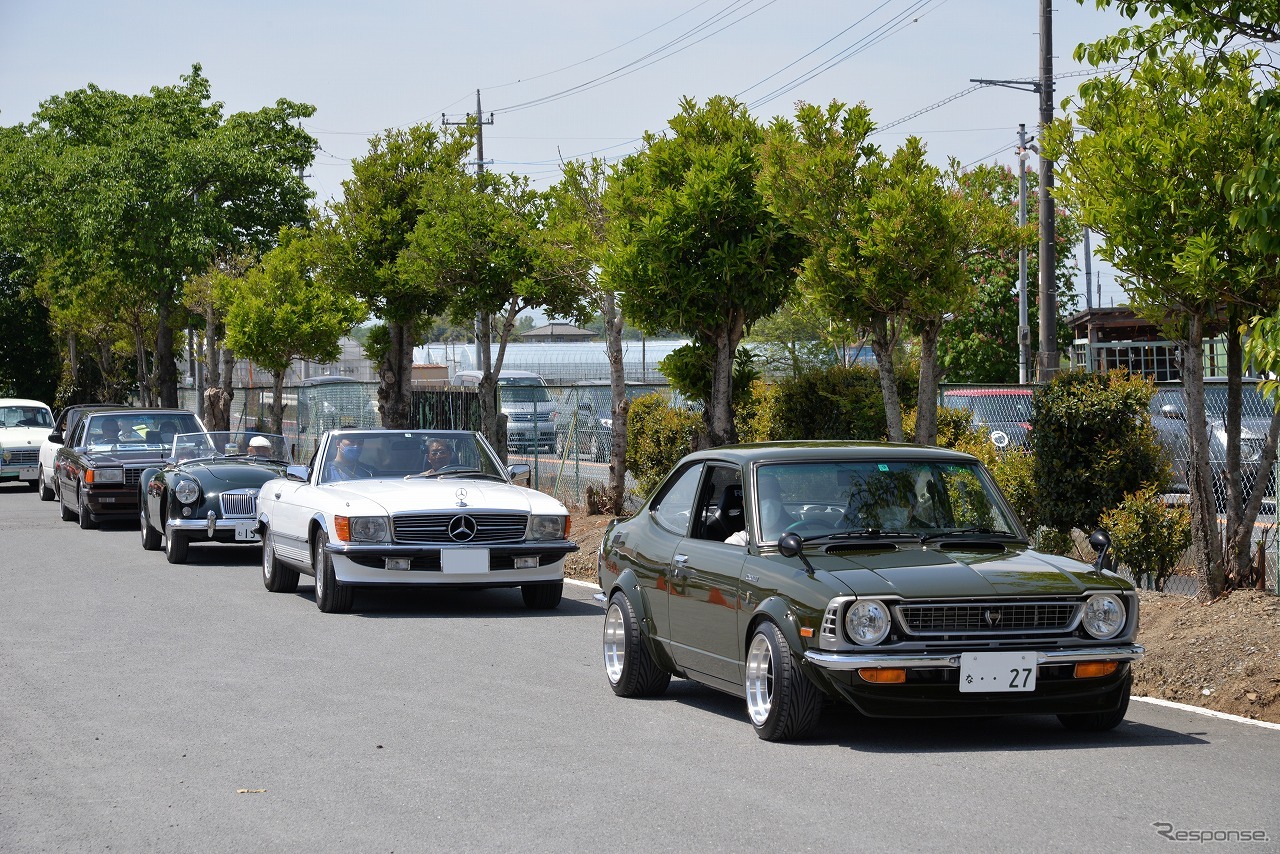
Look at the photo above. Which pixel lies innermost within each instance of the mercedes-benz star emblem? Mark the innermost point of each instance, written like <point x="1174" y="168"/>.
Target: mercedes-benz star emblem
<point x="462" y="528"/>
<point x="461" y="495"/>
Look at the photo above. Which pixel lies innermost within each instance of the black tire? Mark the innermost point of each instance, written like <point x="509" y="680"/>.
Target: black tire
<point x="628" y="665"/>
<point x="276" y="577"/>
<point x="83" y="514"/>
<point x="150" y="536"/>
<point x="542" y="596"/>
<point x="175" y="547"/>
<point x="781" y="701"/>
<point x="1100" y="721"/>
<point x="332" y="597"/>
<point x="46" y="492"/>
<point x="63" y="510"/>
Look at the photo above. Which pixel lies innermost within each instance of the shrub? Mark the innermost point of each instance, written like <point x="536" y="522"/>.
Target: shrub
<point x="657" y="437"/>
<point x="1014" y="473"/>
<point x="834" y="403"/>
<point x="1147" y="535"/>
<point x="1092" y="444"/>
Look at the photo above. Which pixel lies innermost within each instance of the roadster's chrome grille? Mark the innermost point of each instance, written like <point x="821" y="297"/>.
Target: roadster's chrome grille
<point x="239" y="503"/>
<point x="988" y="617"/>
<point x="459" y="526"/>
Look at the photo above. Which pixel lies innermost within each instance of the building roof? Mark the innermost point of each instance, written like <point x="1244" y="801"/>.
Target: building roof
<point x="558" y="331"/>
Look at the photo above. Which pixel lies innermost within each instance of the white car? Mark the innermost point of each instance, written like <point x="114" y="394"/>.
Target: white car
<point x="24" y="424"/>
<point x="410" y="508"/>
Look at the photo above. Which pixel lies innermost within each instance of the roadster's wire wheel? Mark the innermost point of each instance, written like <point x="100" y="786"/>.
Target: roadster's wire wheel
<point x="759" y="682"/>
<point x="615" y="643"/>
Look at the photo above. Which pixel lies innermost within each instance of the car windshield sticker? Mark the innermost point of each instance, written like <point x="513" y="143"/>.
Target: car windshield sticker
<point x="883" y="467"/>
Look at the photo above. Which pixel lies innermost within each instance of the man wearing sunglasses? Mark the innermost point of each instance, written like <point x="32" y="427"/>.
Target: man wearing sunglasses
<point x="439" y="455"/>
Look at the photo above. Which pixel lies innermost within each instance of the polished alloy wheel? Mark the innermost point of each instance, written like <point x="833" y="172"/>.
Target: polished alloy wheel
<point x="759" y="682"/>
<point x="615" y="643"/>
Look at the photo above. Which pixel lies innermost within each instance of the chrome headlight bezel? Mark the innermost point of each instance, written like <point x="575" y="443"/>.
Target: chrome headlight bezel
<point x="867" y="622"/>
<point x="186" y="491"/>
<point x="547" y="527"/>
<point x="1104" y="616"/>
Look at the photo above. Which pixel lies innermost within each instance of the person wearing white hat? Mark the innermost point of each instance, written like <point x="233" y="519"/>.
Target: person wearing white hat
<point x="259" y="446"/>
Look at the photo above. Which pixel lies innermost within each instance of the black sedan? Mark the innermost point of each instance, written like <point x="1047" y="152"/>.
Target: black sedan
<point x="207" y="490"/>
<point x="97" y="471"/>
<point x="891" y="577"/>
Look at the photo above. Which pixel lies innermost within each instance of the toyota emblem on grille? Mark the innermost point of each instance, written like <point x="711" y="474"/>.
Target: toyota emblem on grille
<point x="461" y="495"/>
<point x="462" y="528"/>
<point x="992" y="617"/>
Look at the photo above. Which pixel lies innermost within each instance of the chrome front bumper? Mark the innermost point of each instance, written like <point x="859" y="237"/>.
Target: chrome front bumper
<point x="212" y="524"/>
<point x="858" y="660"/>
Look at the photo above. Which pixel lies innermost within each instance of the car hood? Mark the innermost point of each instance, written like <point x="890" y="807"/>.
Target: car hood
<point x="129" y="458"/>
<point x="17" y="437"/>
<point x="229" y="474"/>
<point x="441" y="494"/>
<point x="916" y="573"/>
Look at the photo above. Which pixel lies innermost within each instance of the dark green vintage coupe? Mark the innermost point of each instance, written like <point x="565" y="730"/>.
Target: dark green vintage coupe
<point x="892" y="577"/>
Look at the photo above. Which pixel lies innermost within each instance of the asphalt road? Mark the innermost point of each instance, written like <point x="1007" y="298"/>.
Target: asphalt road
<point x="146" y="707"/>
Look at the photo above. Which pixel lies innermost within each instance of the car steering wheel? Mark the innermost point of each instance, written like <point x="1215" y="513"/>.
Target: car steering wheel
<point x="807" y="526"/>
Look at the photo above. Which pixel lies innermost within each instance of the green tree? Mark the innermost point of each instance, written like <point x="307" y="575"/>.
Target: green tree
<point x="28" y="356"/>
<point x="979" y="343"/>
<point x="367" y="233"/>
<point x="145" y="189"/>
<point x="278" y="313"/>
<point x="1141" y="174"/>
<point x="692" y="245"/>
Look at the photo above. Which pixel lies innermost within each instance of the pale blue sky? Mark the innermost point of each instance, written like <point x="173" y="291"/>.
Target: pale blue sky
<point x="564" y="79"/>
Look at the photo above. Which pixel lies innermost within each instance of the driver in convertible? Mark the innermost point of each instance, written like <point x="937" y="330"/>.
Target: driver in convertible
<point x="439" y="455"/>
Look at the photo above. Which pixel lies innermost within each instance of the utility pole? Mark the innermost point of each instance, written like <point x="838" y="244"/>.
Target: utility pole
<point x="483" y="361"/>
<point x="1047" y="363"/>
<point x="1088" y="272"/>
<point x="1024" y="324"/>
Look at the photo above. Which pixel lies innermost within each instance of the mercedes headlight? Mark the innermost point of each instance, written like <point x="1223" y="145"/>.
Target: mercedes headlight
<point x="362" y="529"/>
<point x="187" y="491"/>
<point x="1103" y="615"/>
<point x="548" y="528"/>
<point x="867" y="622"/>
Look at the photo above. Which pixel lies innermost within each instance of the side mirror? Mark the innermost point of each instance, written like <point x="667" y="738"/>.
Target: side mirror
<point x="301" y="473"/>
<point x="56" y="438"/>
<point x="791" y="545"/>
<point x="1100" y="542"/>
<point x="520" y="473"/>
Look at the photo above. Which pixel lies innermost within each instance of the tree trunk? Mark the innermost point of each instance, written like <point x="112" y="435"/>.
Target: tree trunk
<point x="720" y="430"/>
<point x="140" y="367"/>
<point x="166" y="368"/>
<point x="1206" y="541"/>
<point x="882" y="345"/>
<point x="927" y="397"/>
<point x="277" y="403"/>
<point x="621" y="404"/>
<point x="395" y="375"/>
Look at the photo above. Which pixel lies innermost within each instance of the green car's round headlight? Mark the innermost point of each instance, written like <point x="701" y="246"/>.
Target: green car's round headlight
<point x="187" y="491"/>
<point x="1104" y="615"/>
<point x="867" y="622"/>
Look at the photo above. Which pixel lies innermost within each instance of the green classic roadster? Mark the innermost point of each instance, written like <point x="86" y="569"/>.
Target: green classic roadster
<point x="207" y="490"/>
<point x="891" y="577"/>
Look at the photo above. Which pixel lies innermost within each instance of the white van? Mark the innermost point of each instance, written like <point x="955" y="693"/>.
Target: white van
<point x="526" y="401"/>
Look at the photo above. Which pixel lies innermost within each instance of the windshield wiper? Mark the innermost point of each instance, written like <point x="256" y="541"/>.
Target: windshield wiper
<point x="970" y="532"/>
<point x="470" y="473"/>
<point x="863" y="534"/>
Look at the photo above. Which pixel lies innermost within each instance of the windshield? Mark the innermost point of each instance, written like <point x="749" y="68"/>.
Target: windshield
<point x="26" y="416"/>
<point x="137" y="431"/>
<point x="375" y="454"/>
<point x="524" y="394"/>
<point x="886" y="497"/>
<point x="217" y="444"/>
<point x="994" y="407"/>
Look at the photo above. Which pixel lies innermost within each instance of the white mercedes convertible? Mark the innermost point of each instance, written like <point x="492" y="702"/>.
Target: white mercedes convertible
<point x="410" y="508"/>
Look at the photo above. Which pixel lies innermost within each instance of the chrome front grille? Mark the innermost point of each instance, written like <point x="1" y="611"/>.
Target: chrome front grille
<point x="529" y="417"/>
<point x="988" y="618"/>
<point x="436" y="527"/>
<point x="239" y="503"/>
<point x="23" y="457"/>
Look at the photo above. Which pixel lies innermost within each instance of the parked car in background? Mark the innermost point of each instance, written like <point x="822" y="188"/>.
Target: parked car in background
<point x="99" y="469"/>
<point x="584" y="418"/>
<point x="526" y="401"/>
<point x="410" y="508"/>
<point x="207" y="490"/>
<point x="894" y="578"/>
<point x="1169" y="417"/>
<point x="24" y="424"/>
<point x="1004" y="414"/>
<point x="63" y="424"/>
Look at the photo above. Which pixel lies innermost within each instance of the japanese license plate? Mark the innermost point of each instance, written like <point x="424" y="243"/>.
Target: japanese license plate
<point x="247" y="531"/>
<point x="464" y="560"/>
<point x="28" y="473"/>
<point x="988" y="672"/>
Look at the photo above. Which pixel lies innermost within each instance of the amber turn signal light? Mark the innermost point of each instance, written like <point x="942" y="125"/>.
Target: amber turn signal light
<point x="883" y="675"/>
<point x="1093" y="669"/>
<point x="342" y="528"/>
